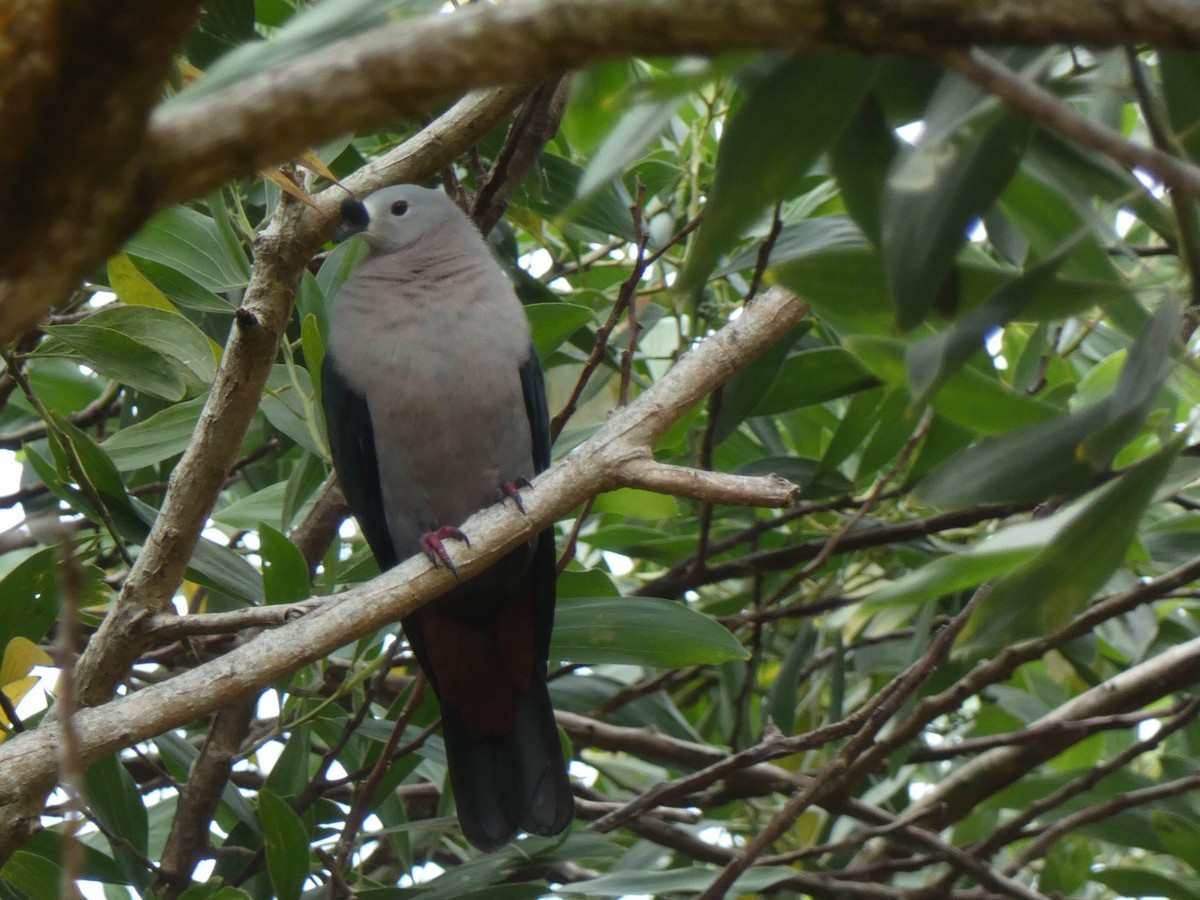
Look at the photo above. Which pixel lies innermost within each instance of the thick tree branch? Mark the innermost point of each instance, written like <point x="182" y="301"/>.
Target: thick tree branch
<point x="194" y="146"/>
<point x="77" y="82"/>
<point x="1175" y="669"/>
<point x="404" y="68"/>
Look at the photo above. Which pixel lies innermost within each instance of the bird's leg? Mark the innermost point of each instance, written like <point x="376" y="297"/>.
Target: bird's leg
<point x="512" y="490"/>
<point x="431" y="544"/>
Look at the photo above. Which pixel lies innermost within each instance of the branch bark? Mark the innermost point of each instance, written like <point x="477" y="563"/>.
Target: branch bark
<point x="77" y="83"/>
<point x="191" y="147"/>
<point x="404" y="68"/>
<point x="27" y="762"/>
<point x="1172" y="670"/>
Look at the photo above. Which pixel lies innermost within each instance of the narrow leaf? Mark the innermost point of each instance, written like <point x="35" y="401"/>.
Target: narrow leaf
<point x="632" y="630"/>
<point x="285" y="572"/>
<point x="933" y="359"/>
<point x="1048" y="591"/>
<point x="165" y="434"/>
<point x="945" y="183"/>
<point x="286" y="844"/>
<point x="788" y="120"/>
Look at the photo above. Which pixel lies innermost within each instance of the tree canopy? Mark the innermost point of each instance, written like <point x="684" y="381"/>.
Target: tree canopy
<point x="871" y="360"/>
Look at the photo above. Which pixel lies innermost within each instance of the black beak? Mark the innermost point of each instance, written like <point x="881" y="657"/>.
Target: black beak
<point x="354" y="220"/>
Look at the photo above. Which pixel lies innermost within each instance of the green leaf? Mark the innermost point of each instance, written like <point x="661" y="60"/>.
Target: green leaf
<point x="553" y="323"/>
<point x="285" y="572"/>
<point x="1060" y="457"/>
<point x="689" y="880"/>
<point x="933" y="359"/>
<point x="953" y="176"/>
<point x="630" y="630"/>
<point x="550" y="190"/>
<point x="31" y="592"/>
<point x="170" y="333"/>
<point x="286" y="844"/>
<point x="990" y="558"/>
<point x="1141" y="881"/>
<point x="308" y="31"/>
<point x="49" y="845"/>
<point x="288" y="777"/>
<point x="214" y="892"/>
<point x="261" y="506"/>
<point x="190" y="243"/>
<point x="1045" y="593"/>
<point x="1180" y="72"/>
<point x="633" y="133"/>
<point x="803" y="239"/>
<point x="313" y="345"/>
<point x="288" y="405"/>
<point x="182" y="290"/>
<point x="213" y="565"/>
<point x="742" y="393"/>
<point x="852" y="429"/>
<point x="969" y="397"/>
<point x="151" y="441"/>
<point x="97" y="467"/>
<point x="846" y="284"/>
<point x="116" y="802"/>
<point x="860" y="159"/>
<point x="636" y="504"/>
<point x="786" y="122"/>
<point x="132" y="287"/>
<point x="149" y="349"/>
<point x="117" y="356"/>
<point x="35" y="876"/>
<point x="814" y="376"/>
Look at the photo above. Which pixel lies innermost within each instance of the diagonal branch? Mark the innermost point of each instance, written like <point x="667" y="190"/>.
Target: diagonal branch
<point x="27" y="761"/>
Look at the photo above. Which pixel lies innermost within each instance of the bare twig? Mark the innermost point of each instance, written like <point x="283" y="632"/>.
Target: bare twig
<point x="1043" y="106"/>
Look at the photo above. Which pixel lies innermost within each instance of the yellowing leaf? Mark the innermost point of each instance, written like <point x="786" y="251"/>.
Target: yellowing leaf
<point x="312" y="162"/>
<point x="188" y="72"/>
<point x="15" y="691"/>
<point x="20" y="656"/>
<point x="132" y="287"/>
<point x="286" y="185"/>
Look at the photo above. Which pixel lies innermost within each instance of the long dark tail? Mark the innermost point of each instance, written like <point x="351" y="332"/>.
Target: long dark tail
<point x="516" y="781"/>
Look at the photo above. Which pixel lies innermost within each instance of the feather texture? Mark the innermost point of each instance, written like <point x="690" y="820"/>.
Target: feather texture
<point x="434" y="400"/>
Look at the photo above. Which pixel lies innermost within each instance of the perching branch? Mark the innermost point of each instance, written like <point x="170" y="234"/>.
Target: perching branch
<point x="27" y="761"/>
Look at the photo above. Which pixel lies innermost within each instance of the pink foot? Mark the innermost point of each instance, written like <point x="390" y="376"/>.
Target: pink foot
<point x="512" y="490"/>
<point x="431" y="544"/>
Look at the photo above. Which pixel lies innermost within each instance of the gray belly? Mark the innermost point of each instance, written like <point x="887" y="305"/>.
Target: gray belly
<point x="445" y="452"/>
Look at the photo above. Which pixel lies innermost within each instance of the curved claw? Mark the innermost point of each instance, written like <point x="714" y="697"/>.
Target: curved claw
<point x="512" y="490"/>
<point x="432" y="546"/>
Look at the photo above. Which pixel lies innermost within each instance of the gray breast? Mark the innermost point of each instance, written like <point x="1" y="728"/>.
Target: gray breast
<point x="441" y="375"/>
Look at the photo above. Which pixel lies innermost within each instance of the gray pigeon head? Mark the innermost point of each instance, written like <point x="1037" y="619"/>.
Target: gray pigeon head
<point x="398" y="217"/>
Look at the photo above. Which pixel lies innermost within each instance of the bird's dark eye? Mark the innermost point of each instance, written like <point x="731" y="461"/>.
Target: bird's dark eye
<point x="400" y="207"/>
